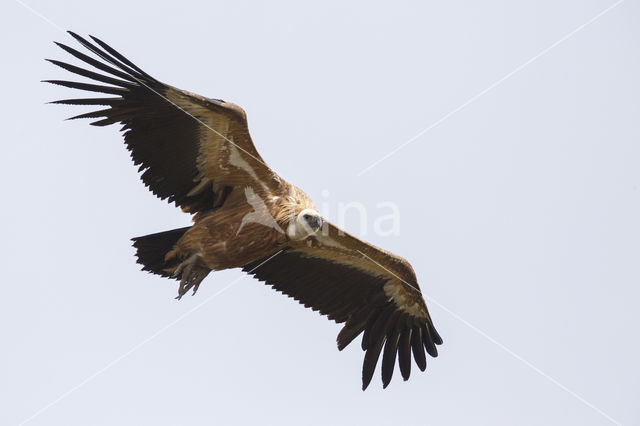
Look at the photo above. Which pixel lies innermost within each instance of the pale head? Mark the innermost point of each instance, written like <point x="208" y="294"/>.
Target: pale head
<point x="306" y="223"/>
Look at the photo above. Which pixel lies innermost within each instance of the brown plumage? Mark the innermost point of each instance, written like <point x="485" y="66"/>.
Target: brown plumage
<point x="197" y="153"/>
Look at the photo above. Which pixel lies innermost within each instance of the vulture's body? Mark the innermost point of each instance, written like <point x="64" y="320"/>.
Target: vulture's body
<point x="197" y="153"/>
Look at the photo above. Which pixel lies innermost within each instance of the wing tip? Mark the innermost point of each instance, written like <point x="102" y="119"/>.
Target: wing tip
<point x="74" y="35"/>
<point x="365" y="384"/>
<point x="436" y="336"/>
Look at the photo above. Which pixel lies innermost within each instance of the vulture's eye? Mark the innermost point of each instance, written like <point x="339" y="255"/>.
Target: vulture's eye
<point x="307" y="216"/>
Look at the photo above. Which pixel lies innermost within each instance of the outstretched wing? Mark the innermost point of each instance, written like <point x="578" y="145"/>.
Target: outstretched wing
<point x="191" y="150"/>
<point x="369" y="289"/>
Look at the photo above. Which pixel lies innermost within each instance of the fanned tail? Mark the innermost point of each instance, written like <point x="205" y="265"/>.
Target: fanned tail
<point x="152" y="249"/>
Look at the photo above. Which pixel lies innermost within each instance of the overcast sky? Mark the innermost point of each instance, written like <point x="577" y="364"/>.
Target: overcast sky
<point x="519" y="209"/>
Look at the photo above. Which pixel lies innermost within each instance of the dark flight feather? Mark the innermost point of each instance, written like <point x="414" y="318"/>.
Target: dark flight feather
<point x="404" y="354"/>
<point x="389" y="356"/>
<point x="418" y="348"/>
<point x="89" y="87"/>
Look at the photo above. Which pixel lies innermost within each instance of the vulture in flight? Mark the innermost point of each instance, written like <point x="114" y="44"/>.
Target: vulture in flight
<point x="197" y="153"/>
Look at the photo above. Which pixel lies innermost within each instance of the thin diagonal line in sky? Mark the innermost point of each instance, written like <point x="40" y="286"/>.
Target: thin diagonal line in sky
<point x="141" y="344"/>
<point x="501" y="346"/>
<point x="490" y="87"/>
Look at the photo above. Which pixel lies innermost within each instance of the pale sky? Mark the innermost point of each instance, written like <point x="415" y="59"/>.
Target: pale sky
<point x="519" y="209"/>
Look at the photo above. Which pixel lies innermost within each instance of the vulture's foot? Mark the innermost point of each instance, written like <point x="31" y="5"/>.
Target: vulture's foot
<point x="191" y="274"/>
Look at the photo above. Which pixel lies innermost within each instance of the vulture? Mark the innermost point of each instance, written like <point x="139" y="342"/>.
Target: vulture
<point x="196" y="152"/>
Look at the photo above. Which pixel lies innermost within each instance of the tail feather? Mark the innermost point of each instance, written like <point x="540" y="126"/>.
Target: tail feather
<point x="152" y="249"/>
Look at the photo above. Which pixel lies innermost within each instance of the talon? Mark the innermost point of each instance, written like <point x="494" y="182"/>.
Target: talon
<point x="191" y="275"/>
<point x="177" y="271"/>
<point x="198" y="279"/>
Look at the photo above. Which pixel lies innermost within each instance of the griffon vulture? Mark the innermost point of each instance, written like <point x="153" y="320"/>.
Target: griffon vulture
<point x="197" y="153"/>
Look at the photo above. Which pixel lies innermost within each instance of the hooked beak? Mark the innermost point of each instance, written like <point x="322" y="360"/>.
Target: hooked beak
<point x="315" y="223"/>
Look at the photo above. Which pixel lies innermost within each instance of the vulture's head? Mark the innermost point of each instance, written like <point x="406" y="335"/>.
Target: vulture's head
<point x="307" y="222"/>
